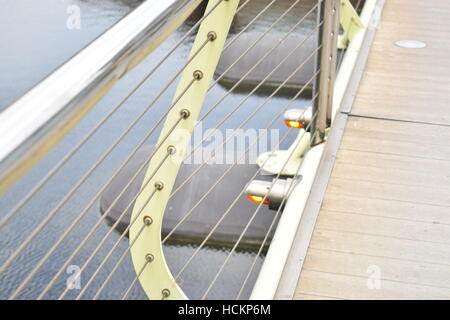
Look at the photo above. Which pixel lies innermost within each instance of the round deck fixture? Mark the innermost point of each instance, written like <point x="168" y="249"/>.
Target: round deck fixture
<point x="411" y="44"/>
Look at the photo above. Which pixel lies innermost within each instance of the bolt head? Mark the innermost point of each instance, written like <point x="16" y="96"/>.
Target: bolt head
<point x="165" y="293"/>
<point x="159" y="185"/>
<point x="171" y="149"/>
<point x="198" y="74"/>
<point x="185" y="113"/>
<point x="148" y="220"/>
<point x="212" y="35"/>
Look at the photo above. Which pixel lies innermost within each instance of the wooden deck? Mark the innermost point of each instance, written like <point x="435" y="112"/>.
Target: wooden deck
<point x="383" y="231"/>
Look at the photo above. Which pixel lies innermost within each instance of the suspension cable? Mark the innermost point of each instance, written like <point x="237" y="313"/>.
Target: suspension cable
<point x="135" y="176"/>
<point x="214" y="227"/>
<point x="35" y="232"/>
<point x="204" y="196"/>
<point x="234" y="202"/>
<point x="240" y="104"/>
<point x="272" y="224"/>
<point x="253" y="215"/>
<point x="68" y="156"/>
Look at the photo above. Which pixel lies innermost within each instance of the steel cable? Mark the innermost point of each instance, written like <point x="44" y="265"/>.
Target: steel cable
<point x="202" y="198"/>
<point x="144" y="164"/>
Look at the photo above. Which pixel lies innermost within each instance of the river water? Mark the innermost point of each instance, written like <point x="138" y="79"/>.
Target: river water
<point x="35" y="41"/>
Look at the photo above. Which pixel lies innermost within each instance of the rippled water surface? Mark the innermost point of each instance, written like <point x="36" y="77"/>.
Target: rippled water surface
<point x="35" y="41"/>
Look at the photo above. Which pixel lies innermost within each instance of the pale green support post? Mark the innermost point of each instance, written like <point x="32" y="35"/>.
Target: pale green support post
<point x="350" y="22"/>
<point x="146" y="252"/>
<point x="286" y="162"/>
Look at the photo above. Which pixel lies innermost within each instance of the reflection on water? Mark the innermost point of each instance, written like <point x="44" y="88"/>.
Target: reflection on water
<point x="35" y="41"/>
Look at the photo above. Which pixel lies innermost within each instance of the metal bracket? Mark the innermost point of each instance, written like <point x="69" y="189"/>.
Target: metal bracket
<point x="147" y="252"/>
<point x="292" y="157"/>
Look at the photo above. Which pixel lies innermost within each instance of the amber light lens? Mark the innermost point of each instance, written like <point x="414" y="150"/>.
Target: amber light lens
<point x="258" y="199"/>
<point x="294" y="124"/>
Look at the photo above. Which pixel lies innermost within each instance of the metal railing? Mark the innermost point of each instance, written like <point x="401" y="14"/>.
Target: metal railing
<point x="38" y="121"/>
<point x="41" y="118"/>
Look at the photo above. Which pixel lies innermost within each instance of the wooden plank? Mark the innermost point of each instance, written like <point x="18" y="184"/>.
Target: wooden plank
<point x="397" y="131"/>
<point x="397" y="105"/>
<point x="390" y="161"/>
<point x="382" y="226"/>
<point x="351" y="287"/>
<point x="390" y="269"/>
<point x="397" y="192"/>
<point x="393" y="72"/>
<point x="405" y="148"/>
<point x="386" y="208"/>
<point x="389" y="247"/>
<point x="393" y="175"/>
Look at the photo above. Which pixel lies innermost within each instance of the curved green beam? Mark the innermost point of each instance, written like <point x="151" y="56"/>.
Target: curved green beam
<point x="147" y="252"/>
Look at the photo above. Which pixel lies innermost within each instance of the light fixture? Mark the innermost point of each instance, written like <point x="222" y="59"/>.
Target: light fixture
<point x="298" y="118"/>
<point x="259" y="191"/>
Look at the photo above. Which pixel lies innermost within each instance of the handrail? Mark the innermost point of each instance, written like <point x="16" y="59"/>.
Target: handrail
<point x="35" y="123"/>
